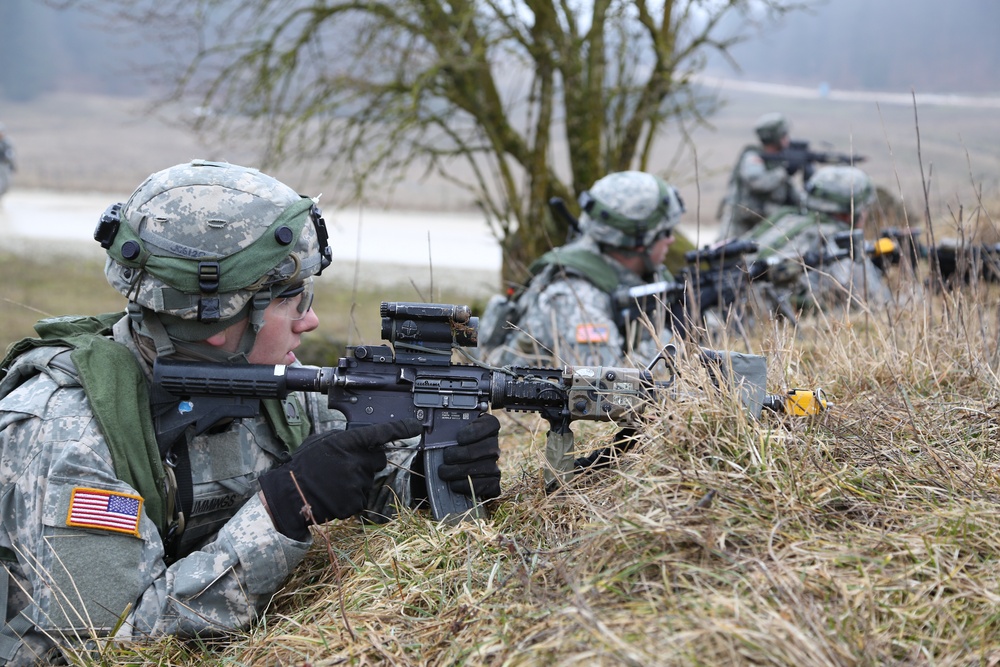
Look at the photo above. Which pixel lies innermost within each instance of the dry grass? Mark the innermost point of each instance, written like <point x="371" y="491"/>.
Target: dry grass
<point x="868" y="536"/>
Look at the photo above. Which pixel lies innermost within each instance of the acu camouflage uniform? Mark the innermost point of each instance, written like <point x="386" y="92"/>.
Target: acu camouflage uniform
<point x="792" y="235"/>
<point x="69" y="581"/>
<point x="756" y="190"/>
<point x="565" y="318"/>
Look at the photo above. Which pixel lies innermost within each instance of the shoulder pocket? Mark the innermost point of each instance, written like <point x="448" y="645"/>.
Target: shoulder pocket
<point x="90" y="555"/>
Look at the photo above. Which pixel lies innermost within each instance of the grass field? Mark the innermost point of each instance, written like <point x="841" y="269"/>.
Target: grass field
<point x="867" y="536"/>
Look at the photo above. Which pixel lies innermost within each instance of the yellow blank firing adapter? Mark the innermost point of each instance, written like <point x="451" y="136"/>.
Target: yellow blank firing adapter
<point x="803" y="402"/>
<point x="884" y="246"/>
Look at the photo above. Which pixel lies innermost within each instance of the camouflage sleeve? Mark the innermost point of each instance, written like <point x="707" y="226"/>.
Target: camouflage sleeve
<point x="760" y="179"/>
<point x="394" y="484"/>
<point x="87" y="568"/>
<point x="222" y="586"/>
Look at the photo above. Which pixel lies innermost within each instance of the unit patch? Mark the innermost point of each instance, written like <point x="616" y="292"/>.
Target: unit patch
<point x="592" y="333"/>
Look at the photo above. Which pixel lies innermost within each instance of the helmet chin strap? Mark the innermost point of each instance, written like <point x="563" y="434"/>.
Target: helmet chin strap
<point x="254" y="324"/>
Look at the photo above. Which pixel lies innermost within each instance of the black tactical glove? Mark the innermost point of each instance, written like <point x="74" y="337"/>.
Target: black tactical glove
<point x="474" y="458"/>
<point x="335" y="471"/>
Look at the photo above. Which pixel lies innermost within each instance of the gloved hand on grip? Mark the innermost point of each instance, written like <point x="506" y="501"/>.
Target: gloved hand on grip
<point x="475" y="458"/>
<point x="335" y="471"/>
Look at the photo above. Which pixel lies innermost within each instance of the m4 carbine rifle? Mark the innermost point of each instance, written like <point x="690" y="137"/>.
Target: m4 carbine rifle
<point x="414" y="377"/>
<point x="715" y="278"/>
<point x="798" y="156"/>
<point x="718" y="278"/>
<point x="951" y="262"/>
<point x="848" y="245"/>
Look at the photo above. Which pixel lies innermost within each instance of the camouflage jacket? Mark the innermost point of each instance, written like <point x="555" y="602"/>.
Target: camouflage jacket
<point x="82" y="555"/>
<point x="565" y="318"/>
<point x="757" y="191"/>
<point x="792" y="235"/>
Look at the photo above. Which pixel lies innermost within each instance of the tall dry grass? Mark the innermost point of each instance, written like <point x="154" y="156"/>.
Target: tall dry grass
<point x="867" y="536"/>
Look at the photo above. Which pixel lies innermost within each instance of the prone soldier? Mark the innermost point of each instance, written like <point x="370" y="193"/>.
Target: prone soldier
<point x="109" y="525"/>
<point x="827" y="242"/>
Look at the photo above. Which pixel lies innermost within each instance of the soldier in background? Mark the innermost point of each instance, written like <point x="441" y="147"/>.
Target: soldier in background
<point x="567" y="314"/>
<point x="827" y="239"/>
<point x="105" y="528"/>
<point x="570" y="312"/>
<point x="7" y="165"/>
<point x="758" y="187"/>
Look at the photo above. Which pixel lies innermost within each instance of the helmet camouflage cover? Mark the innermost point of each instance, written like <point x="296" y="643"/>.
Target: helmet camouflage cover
<point x="839" y="189"/>
<point x="198" y="242"/>
<point x="771" y="127"/>
<point x="629" y="209"/>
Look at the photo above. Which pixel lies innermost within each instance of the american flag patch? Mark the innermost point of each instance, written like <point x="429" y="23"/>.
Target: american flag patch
<point x="106" y="510"/>
<point x="592" y="333"/>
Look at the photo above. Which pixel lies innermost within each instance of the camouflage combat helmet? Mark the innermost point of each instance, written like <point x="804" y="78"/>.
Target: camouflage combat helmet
<point x="770" y="128"/>
<point x="629" y="209"/>
<point x="839" y="190"/>
<point x="206" y="244"/>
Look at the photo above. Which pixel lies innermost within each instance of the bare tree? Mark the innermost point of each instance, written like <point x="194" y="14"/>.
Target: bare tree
<point x="518" y="101"/>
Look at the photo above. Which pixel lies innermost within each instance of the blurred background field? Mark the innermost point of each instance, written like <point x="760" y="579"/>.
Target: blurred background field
<point x="95" y="143"/>
<point x="106" y="146"/>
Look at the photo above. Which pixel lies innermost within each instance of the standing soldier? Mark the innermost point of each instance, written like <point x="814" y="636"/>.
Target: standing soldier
<point x="760" y="185"/>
